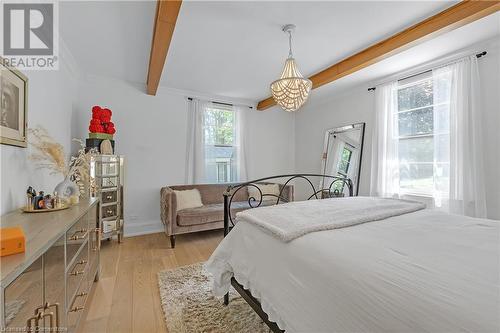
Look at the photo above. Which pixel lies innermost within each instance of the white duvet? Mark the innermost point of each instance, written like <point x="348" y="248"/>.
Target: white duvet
<point x="420" y="272"/>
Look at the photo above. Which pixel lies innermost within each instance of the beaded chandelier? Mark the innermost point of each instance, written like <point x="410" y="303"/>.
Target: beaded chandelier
<point x="291" y="90"/>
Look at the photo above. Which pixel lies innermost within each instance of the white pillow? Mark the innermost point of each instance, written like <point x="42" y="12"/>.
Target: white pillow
<point x="188" y="199"/>
<point x="266" y="189"/>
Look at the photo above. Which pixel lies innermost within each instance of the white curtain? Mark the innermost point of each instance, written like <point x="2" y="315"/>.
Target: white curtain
<point x="458" y="148"/>
<point x="200" y="158"/>
<point x="385" y="162"/>
<point x="466" y="182"/>
<point x="241" y="142"/>
<point x="195" y="149"/>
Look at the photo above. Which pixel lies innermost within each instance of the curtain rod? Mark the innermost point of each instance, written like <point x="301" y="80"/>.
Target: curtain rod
<point x="221" y="103"/>
<point x="479" y="55"/>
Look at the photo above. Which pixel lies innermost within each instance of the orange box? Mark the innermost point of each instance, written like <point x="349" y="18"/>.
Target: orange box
<point x="12" y="241"/>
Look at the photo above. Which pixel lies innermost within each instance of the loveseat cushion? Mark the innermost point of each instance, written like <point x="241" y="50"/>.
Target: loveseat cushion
<point x="211" y="213"/>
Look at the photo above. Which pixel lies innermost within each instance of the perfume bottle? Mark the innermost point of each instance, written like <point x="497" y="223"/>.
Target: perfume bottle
<point x="56" y="201"/>
<point x="30" y="195"/>
<point x="47" y="202"/>
<point x="39" y="201"/>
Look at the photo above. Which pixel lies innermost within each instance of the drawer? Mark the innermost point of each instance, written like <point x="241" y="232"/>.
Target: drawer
<point x="106" y="182"/>
<point x="76" y="271"/>
<point x="75" y="237"/>
<point x="109" y="211"/>
<point x="108" y="226"/>
<point x="77" y="305"/>
<point x="109" y="196"/>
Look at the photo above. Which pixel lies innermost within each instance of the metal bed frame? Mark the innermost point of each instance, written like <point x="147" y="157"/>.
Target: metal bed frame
<point x="319" y="193"/>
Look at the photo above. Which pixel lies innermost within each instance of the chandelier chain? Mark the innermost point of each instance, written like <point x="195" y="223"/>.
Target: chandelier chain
<point x="290" y="55"/>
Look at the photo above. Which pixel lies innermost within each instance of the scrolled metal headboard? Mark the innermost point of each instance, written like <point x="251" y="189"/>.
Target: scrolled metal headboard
<point x="254" y="203"/>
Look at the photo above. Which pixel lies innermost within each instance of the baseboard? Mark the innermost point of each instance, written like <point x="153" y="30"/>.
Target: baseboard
<point x="136" y="228"/>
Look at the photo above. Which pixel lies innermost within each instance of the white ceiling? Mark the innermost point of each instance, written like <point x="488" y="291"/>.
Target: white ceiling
<point x="469" y="38"/>
<point x="236" y="49"/>
<point x="109" y="38"/>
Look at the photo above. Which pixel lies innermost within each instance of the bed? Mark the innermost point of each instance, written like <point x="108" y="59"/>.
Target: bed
<point x="421" y="271"/>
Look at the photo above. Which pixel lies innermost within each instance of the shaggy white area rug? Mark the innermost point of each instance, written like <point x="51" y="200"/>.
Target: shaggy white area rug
<point x="189" y="306"/>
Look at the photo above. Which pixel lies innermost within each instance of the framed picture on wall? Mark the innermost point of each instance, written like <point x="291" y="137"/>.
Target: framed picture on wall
<point x="13" y="106"/>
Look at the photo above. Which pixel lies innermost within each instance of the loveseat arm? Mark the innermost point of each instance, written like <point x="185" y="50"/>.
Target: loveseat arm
<point x="288" y="192"/>
<point x="168" y="205"/>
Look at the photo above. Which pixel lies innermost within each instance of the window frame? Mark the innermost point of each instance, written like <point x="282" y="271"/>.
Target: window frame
<point x="404" y="84"/>
<point x="230" y="163"/>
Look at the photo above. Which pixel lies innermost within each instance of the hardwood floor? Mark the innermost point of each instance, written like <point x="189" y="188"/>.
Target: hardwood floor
<point x="126" y="298"/>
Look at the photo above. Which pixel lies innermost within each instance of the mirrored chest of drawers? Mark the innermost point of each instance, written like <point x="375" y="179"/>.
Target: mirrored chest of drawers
<point x="46" y="287"/>
<point x="107" y="173"/>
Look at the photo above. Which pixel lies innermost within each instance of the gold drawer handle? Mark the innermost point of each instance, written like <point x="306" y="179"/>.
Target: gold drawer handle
<point x="110" y="211"/>
<point x="77" y="308"/>
<point x="76" y="273"/>
<point x="36" y="319"/>
<point x="109" y="197"/>
<point x="76" y="237"/>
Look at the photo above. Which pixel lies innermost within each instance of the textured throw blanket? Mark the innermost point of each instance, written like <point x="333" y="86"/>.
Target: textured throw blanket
<point x="292" y="220"/>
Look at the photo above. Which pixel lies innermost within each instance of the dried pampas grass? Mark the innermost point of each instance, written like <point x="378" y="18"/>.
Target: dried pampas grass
<point x="48" y="153"/>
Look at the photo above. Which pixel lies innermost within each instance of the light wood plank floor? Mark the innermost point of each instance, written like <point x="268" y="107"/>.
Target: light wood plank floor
<point x="126" y="298"/>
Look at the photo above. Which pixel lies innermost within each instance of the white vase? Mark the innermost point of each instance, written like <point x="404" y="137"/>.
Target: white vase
<point x="67" y="188"/>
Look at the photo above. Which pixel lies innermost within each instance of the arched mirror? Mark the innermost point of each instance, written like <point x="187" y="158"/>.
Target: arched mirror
<point x="342" y="152"/>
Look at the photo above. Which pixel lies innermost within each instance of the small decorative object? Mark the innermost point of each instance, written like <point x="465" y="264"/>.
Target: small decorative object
<point x="12" y="241"/>
<point x="30" y="196"/>
<point x="101" y="128"/>
<point x="57" y="200"/>
<point x="13" y="106"/>
<point x="47" y="202"/>
<point x="67" y="188"/>
<point x="106" y="147"/>
<point x="291" y="90"/>
<point x="101" y="121"/>
<point x="39" y="201"/>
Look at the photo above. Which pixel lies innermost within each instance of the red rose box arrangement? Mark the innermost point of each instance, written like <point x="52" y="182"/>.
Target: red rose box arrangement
<point x="100" y="128"/>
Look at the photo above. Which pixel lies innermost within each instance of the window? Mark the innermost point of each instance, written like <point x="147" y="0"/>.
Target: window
<point x="345" y="161"/>
<point x="423" y="134"/>
<point x="220" y="139"/>
<point x="343" y="167"/>
<point x="223" y="171"/>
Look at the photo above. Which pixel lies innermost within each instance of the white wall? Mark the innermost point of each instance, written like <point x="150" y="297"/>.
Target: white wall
<point x="151" y="133"/>
<point x="50" y="104"/>
<point x="357" y="105"/>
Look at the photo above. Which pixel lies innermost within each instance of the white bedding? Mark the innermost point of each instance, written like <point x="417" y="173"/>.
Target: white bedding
<point x="421" y="272"/>
<point x="295" y="219"/>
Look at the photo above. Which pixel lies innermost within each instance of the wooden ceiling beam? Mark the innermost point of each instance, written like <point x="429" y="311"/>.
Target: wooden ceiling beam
<point x="454" y="17"/>
<point x="165" y="19"/>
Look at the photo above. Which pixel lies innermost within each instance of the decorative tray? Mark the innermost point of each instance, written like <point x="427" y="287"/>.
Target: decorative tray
<point x="24" y="209"/>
